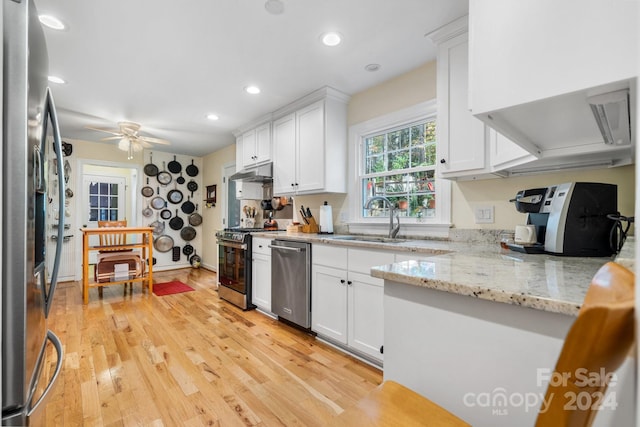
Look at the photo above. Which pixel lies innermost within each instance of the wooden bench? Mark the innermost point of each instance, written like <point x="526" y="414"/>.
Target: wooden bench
<point x="391" y="404"/>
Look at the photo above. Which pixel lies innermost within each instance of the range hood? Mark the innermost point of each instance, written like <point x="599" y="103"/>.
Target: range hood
<point x="261" y="173"/>
<point x="611" y="111"/>
<point x="591" y="127"/>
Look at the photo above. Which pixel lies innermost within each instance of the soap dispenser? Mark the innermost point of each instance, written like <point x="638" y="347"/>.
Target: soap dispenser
<point x="326" y="219"/>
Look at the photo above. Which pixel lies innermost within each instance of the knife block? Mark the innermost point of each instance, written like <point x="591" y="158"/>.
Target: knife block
<point x="312" y="227"/>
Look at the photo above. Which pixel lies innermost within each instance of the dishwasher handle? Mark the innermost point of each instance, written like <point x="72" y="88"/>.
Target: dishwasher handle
<point x="287" y="248"/>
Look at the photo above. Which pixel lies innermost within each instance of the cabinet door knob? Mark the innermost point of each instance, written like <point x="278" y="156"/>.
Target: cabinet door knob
<point x="349" y="282"/>
<point x="296" y="184"/>
<point x="342" y="281"/>
<point x="443" y="161"/>
<point x="381" y="349"/>
<point x="292" y="184"/>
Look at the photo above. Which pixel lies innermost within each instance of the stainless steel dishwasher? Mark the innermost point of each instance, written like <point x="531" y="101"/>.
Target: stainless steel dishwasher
<point x="291" y="281"/>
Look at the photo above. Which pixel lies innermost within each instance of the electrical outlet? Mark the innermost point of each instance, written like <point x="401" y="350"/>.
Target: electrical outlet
<point x="483" y="214"/>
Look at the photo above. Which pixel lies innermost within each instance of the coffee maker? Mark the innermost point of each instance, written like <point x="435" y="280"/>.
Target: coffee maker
<point x="571" y="218"/>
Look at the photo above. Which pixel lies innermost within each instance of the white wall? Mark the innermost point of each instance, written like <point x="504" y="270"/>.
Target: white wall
<point x="212" y="169"/>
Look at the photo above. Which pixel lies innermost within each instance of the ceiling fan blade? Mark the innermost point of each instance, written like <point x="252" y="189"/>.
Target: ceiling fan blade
<point x="143" y="143"/>
<point x="154" y="140"/>
<point x="111" y="138"/>
<point x="111" y="131"/>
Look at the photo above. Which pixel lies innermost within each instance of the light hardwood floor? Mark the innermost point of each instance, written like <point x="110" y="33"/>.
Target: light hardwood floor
<point x="191" y="359"/>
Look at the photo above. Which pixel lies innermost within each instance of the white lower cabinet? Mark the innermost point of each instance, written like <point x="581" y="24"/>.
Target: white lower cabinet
<point x="261" y="274"/>
<point x="365" y="314"/>
<point x="346" y="302"/>
<point x="329" y="303"/>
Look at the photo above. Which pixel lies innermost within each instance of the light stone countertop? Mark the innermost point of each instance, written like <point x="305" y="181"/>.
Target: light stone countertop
<point x="543" y="282"/>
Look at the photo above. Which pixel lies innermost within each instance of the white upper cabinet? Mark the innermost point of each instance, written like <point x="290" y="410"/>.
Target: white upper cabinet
<point x="467" y="148"/>
<point x="310" y="145"/>
<point x="534" y="66"/>
<point x="253" y="146"/>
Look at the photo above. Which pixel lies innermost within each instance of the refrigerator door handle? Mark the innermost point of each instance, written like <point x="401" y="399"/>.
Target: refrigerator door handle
<point x="58" y="346"/>
<point x="38" y="169"/>
<point x="57" y="141"/>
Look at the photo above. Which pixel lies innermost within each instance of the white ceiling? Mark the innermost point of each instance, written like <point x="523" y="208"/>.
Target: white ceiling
<point x="167" y="64"/>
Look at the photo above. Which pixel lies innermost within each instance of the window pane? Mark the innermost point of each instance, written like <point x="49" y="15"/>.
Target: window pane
<point x="405" y="137"/>
<point x="104" y="188"/>
<point x="93" y="214"/>
<point x="104" y="201"/>
<point x="430" y="132"/>
<point x="114" y="202"/>
<point x="93" y="188"/>
<point x="374" y="145"/>
<point x="398" y="160"/>
<point x="375" y="164"/>
<point x="113" y="188"/>
<point x="393" y="141"/>
<point x="93" y="201"/>
<point x="418" y="156"/>
<point x="417" y="135"/>
<point x="113" y="215"/>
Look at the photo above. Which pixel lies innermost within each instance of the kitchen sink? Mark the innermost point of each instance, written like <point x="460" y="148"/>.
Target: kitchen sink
<point x="373" y="239"/>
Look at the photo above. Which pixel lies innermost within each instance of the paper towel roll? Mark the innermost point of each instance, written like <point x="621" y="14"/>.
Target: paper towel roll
<point x="326" y="219"/>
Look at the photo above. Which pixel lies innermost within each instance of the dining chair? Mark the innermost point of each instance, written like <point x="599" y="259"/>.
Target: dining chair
<point x="114" y="253"/>
<point x="596" y="345"/>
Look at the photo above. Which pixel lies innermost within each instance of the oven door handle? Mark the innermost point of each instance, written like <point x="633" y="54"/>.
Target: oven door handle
<point x="232" y="245"/>
<point x="286" y="248"/>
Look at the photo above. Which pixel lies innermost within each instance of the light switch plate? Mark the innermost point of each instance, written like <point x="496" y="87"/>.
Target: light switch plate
<point x="483" y="214"/>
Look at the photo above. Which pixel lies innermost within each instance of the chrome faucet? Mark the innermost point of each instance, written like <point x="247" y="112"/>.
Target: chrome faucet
<point x="393" y="231"/>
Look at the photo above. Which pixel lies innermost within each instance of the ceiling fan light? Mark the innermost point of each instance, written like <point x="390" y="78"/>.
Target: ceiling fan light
<point x="137" y="147"/>
<point x="124" y="144"/>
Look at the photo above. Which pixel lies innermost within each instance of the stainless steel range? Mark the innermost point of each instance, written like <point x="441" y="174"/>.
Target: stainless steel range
<point x="234" y="265"/>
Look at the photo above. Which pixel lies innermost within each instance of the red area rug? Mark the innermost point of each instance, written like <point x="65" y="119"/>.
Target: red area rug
<point x="169" y="288"/>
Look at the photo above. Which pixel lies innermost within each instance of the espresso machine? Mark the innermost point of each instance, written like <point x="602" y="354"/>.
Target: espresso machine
<point x="571" y="219"/>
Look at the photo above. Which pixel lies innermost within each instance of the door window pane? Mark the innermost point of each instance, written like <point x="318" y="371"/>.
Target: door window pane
<point x="103" y="201"/>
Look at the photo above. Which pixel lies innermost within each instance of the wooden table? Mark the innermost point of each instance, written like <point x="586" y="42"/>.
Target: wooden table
<point x="147" y="255"/>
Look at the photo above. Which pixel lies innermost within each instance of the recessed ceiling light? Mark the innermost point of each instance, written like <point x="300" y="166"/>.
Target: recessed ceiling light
<point x="51" y="22"/>
<point x="274" y="7"/>
<point x="331" y="38"/>
<point x="253" y="90"/>
<point x="54" y="79"/>
<point x="212" y="116"/>
<point x="372" y="67"/>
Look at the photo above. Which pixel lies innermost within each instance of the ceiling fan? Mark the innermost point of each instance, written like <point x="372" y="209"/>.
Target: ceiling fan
<point x="130" y="139"/>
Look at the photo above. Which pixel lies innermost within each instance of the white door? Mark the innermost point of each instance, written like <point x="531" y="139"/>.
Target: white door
<point x="103" y="199"/>
<point x="261" y="276"/>
<point x="310" y="155"/>
<point x="329" y="303"/>
<point x="231" y="205"/>
<point x="366" y="314"/>
<point x="284" y="155"/>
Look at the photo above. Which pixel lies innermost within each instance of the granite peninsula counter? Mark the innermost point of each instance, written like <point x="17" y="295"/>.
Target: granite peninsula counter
<point x="486" y="271"/>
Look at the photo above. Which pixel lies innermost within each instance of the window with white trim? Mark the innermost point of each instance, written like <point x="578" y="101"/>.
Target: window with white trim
<point x="399" y="164"/>
<point x="395" y="156"/>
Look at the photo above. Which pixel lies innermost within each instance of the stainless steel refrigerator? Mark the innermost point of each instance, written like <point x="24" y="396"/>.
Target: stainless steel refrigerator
<point x="30" y="147"/>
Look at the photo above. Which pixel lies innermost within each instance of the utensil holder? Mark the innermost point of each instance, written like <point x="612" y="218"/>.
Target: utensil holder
<point x="312" y="227"/>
